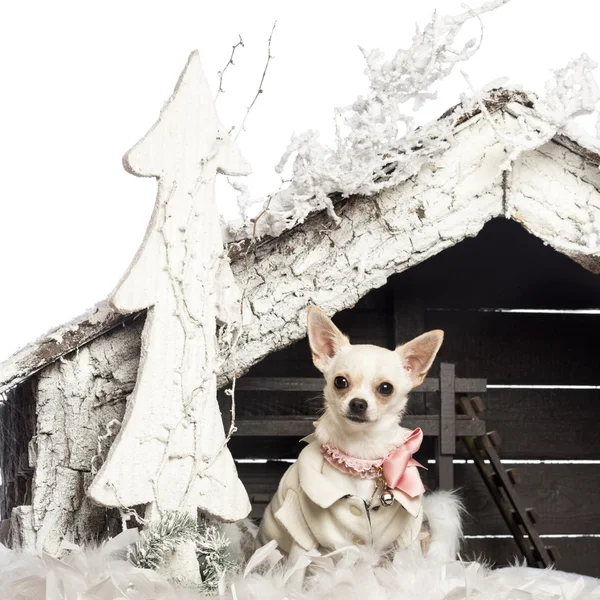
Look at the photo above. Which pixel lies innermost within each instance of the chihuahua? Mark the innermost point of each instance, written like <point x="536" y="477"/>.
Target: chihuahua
<point x="356" y="482"/>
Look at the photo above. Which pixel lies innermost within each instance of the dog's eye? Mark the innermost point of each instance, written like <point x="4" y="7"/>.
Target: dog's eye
<point x="340" y="383"/>
<point x="385" y="388"/>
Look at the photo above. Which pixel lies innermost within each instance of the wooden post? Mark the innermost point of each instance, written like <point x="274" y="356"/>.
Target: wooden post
<point x="446" y="443"/>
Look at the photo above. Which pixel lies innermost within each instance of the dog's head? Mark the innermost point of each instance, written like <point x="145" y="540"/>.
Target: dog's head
<point x="367" y="384"/>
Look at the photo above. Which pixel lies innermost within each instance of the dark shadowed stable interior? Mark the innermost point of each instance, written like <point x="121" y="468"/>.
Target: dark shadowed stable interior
<point x="516" y="313"/>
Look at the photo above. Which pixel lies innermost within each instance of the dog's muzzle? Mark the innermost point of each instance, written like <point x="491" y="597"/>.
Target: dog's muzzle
<point x="357" y="410"/>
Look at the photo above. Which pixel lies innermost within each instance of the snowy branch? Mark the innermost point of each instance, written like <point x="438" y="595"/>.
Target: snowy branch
<point x="378" y="143"/>
<point x="573" y="92"/>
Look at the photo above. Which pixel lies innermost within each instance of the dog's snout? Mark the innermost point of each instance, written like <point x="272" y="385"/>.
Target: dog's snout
<point x="358" y="406"/>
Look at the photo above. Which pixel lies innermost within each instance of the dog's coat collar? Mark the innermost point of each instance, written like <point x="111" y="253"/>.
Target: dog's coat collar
<point x="325" y="490"/>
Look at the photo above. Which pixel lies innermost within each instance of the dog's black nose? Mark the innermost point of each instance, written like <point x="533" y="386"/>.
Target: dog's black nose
<point x="358" y="406"/>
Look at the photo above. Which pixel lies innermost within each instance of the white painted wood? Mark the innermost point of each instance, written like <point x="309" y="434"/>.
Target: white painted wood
<point x="171" y="450"/>
<point x="320" y="239"/>
<point x="77" y="398"/>
<point x="22" y="533"/>
<point x="553" y="190"/>
<point x="334" y="266"/>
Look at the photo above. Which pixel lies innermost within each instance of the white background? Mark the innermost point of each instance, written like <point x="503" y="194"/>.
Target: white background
<point x="83" y="81"/>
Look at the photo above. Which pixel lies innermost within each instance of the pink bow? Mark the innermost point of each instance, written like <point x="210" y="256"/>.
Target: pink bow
<point x="400" y="468"/>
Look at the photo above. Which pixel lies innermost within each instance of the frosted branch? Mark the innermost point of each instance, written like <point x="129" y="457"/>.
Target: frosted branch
<point x="378" y="143"/>
<point x="260" y="85"/>
<point x="229" y="63"/>
<point x="572" y="92"/>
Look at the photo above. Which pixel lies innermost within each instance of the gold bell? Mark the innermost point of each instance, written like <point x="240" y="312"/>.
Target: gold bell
<point x="387" y="498"/>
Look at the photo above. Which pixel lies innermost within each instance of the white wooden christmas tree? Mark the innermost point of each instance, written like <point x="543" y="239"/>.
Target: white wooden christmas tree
<point x="170" y="453"/>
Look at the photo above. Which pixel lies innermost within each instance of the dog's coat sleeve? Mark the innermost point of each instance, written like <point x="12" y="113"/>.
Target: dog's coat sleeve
<point x="291" y="516"/>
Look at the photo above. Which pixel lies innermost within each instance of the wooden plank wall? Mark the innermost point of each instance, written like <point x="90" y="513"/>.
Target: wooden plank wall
<point x="465" y="291"/>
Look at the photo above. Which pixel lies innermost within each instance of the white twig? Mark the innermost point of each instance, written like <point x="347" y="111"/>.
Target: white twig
<point x="229" y="62"/>
<point x="260" y="85"/>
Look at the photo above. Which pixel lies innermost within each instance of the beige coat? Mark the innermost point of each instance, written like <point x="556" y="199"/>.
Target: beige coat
<point x="319" y="507"/>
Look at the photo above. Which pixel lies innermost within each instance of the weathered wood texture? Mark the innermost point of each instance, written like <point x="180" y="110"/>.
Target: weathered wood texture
<point x="17" y="428"/>
<point x="76" y="399"/>
<point x="577" y="555"/>
<point x="495" y="338"/>
<point x="334" y="266"/>
<point x="459" y="385"/>
<point x="521" y="273"/>
<point x="445" y="444"/>
<point x="402" y="228"/>
<point x="301" y="426"/>
<point x="59" y="342"/>
<point x="546" y="192"/>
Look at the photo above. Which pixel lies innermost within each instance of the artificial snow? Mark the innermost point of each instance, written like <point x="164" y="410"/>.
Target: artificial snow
<point x="378" y="142"/>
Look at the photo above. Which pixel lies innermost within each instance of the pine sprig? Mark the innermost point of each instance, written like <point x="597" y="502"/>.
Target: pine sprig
<point x="212" y="550"/>
<point x="173" y="528"/>
<point x="161" y="537"/>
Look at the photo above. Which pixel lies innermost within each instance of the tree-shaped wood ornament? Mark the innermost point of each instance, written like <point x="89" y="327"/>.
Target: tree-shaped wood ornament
<point x="171" y="451"/>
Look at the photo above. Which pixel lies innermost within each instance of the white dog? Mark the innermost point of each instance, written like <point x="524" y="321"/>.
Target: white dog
<point x="356" y="482"/>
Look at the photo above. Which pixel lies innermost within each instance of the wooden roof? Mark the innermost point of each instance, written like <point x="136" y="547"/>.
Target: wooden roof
<point x="553" y="190"/>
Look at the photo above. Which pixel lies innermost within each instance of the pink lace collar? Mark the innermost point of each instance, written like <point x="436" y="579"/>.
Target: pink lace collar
<point x="359" y="467"/>
<point x="398" y="469"/>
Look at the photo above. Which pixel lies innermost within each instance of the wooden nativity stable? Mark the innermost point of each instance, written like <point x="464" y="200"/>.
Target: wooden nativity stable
<point x="506" y="265"/>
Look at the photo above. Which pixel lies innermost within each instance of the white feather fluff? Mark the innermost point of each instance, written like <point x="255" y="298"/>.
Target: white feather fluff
<point x="350" y="574"/>
<point x="444" y="511"/>
<point x="355" y="575"/>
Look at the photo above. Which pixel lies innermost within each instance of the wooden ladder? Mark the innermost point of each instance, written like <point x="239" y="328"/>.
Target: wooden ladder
<point x="501" y="482"/>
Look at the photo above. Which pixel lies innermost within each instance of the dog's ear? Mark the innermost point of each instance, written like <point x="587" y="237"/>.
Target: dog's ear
<point x="418" y="355"/>
<point x="324" y="337"/>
